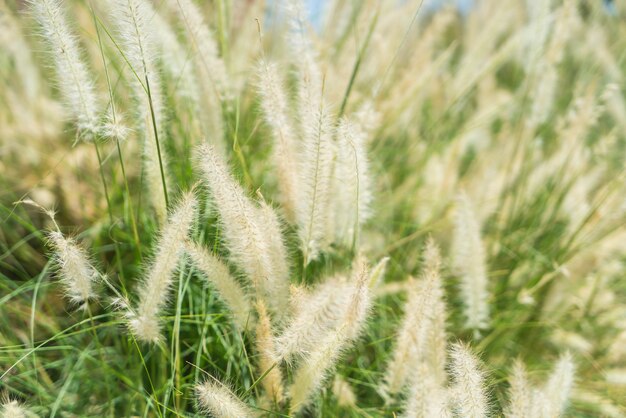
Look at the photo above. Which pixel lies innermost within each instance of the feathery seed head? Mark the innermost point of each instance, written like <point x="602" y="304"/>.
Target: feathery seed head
<point x="343" y="392"/>
<point x="217" y="400"/>
<point x="557" y="389"/>
<point x="273" y="381"/>
<point x="422" y="333"/>
<point x="139" y="46"/>
<point x="75" y="82"/>
<point x="75" y="270"/>
<point x="275" y="109"/>
<point x="470" y="397"/>
<point x="155" y="286"/>
<point x="352" y="193"/>
<point x="227" y="287"/>
<point x="469" y="262"/>
<point x="313" y="211"/>
<point x="520" y="393"/>
<point x="252" y="234"/>
<point x="12" y="409"/>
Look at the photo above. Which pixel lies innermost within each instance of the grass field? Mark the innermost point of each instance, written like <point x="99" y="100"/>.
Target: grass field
<point x="222" y="209"/>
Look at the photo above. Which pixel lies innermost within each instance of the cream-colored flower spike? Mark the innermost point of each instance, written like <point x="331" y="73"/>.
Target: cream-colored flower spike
<point x="273" y="381"/>
<point x="139" y="45"/>
<point x="204" y="45"/>
<point x="469" y="263"/>
<point x="343" y="392"/>
<point x="313" y="211"/>
<point x="227" y="287"/>
<point x="315" y="315"/>
<point x="75" y="270"/>
<point x="316" y="153"/>
<point x="12" y="409"/>
<point x="275" y="108"/>
<point x="557" y="390"/>
<point x="468" y="391"/>
<point x="351" y="194"/>
<point x="317" y="366"/>
<point x="417" y="339"/>
<point x="75" y="82"/>
<point x="155" y="286"/>
<point x="427" y="397"/>
<point x="520" y="393"/>
<point x="252" y="234"/>
<point x="217" y="400"/>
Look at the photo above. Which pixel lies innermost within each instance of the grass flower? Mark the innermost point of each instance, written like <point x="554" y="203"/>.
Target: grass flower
<point x="155" y="286"/>
<point x="252" y="234"/>
<point x="469" y="391"/>
<point x="469" y="261"/>
<point x="220" y="279"/>
<point x="75" y="83"/>
<point x="220" y="402"/>
<point x="75" y="269"/>
<point x="139" y="46"/>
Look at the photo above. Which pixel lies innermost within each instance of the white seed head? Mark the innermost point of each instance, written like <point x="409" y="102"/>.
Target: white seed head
<point x="13" y="409"/>
<point x="217" y="400"/>
<point x="352" y="194"/>
<point x="73" y="78"/>
<point x="469" y="263"/>
<point x="252" y="234"/>
<point x="470" y="397"/>
<point x="75" y="269"/>
<point x="227" y="287"/>
<point x="154" y="289"/>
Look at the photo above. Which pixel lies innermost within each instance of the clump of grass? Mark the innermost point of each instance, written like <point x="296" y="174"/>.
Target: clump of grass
<point x="393" y="211"/>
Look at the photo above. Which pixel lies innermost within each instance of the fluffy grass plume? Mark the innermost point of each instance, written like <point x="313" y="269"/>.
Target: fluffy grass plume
<point x="218" y="400"/>
<point x="469" y="391"/>
<point x="273" y="381"/>
<point x="352" y="194"/>
<point x="12" y="409"/>
<point x="137" y="39"/>
<point x="159" y="276"/>
<point x="72" y="75"/>
<point x="469" y="261"/>
<point x="520" y="393"/>
<point x="319" y="363"/>
<point x="252" y="234"/>
<point x="220" y="279"/>
<point x="275" y="106"/>
<point x="75" y="270"/>
<point x="423" y="313"/>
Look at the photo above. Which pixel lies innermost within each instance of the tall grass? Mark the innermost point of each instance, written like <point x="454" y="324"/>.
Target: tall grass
<point x="224" y="209"/>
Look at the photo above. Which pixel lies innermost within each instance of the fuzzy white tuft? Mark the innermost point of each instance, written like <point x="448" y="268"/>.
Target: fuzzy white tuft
<point x="275" y="109"/>
<point x="12" y="409"/>
<point x="220" y="402"/>
<point x="520" y="394"/>
<point x="469" y="262"/>
<point x="352" y="194"/>
<point x="470" y="397"/>
<point x="317" y="366"/>
<point x="139" y="45"/>
<point x="252" y="234"/>
<point x="417" y="339"/>
<point x="314" y="184"/>
<point x="427" y="397"/>
<point x="155" y="286"/>
<point x="557" y="390"/>
<point x="75" y="270"/>
<point x="227" y="287"/>
<point x="75" y="82"/>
